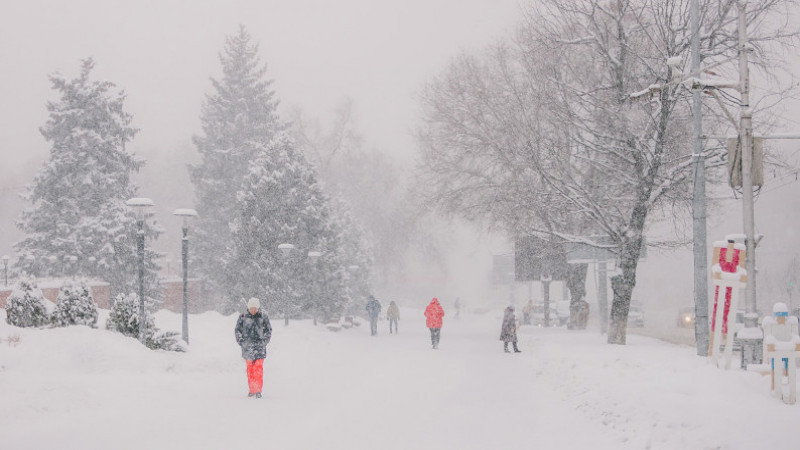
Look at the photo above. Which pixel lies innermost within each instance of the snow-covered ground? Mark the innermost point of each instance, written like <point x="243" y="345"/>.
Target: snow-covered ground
<point x="82" y="388"/>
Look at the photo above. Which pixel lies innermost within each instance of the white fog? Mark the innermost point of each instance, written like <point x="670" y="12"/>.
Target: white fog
<point x="400" y="148"/>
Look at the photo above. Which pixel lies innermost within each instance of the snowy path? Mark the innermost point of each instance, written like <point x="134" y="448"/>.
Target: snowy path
<point x="79" y="388"/>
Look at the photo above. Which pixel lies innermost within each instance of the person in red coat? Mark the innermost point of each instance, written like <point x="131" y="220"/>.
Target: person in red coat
<point x="434" y="314"/>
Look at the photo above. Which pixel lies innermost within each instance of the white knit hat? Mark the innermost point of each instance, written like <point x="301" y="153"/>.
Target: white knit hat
<point x="253" y="303"/>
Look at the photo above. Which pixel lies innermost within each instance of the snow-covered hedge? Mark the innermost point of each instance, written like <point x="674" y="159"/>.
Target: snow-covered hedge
<point x="26" y="306"/>
<point x="75" y="306"/>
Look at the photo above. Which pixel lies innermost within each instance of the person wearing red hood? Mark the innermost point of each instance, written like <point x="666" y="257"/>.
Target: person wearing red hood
<point x="434" y="314"/>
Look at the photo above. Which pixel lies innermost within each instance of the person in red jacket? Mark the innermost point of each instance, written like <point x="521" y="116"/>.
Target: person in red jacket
<point x="434" y="314"/>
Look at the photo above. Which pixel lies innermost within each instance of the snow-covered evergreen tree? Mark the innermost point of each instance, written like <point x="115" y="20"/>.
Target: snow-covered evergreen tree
<point x="75" y="306"/>
<point x="124" y="315"/>
<point x="26" y="307"/>
<point x="281" y="202"/>
<point x="78" y="197"/>
<point x="240" y="111"/>
<point x="124" y="318"/>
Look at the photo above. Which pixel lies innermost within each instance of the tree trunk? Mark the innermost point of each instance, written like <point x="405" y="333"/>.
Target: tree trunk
<point x="620" y="305"/>
<point x="578" y="308"/>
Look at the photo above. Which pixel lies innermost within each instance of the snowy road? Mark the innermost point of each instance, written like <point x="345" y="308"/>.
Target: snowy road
<point x="79" y="388"/>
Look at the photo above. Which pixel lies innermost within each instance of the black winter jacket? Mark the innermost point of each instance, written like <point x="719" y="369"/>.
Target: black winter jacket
<point x="253" y="333"/>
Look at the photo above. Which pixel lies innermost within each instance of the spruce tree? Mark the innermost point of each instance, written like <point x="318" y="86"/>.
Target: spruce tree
<point x="75" y="306"/>
<point x="78" y="197"/>
<point x="238" y="116"/>
<point x="281" y="202"/>
<point x="26" y="307"/>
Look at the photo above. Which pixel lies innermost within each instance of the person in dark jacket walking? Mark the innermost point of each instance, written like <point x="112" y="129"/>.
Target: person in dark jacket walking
<point x="433" y="319"/>
<point x="253" y="332"/>
<point x="373" y="309"/>
<point x="508" y="332"/>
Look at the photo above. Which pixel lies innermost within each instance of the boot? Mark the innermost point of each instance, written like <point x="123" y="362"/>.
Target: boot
<point x="505" y="347"/>
<point x="516" y="350"/>
<point x="258" y="395"/>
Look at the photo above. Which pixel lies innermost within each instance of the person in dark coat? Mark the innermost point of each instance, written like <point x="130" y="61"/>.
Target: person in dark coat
<point x="373" y="309"/>
<point x="253" y="332"/>
<point x="508" y="332"/>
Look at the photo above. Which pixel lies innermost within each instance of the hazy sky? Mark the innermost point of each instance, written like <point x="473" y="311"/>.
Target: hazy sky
<point x="162" y="53"/>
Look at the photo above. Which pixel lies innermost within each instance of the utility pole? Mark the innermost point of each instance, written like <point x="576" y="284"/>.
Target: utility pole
<point x="699" y="198"/>
<point x="750" y="337"/>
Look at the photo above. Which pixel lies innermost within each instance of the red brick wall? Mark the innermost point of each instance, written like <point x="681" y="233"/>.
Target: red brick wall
<point x="173" y="294"/>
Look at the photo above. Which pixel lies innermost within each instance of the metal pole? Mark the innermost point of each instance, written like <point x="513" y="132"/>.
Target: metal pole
<point x="746" y="137"/>
<point x="699" y="246"/>
<point x="5" y="263"/>
<point x="185" y="260"/>
<point x="602" y="295"/>
<point x="546" y="294"/>
<point x="140" y="245"/>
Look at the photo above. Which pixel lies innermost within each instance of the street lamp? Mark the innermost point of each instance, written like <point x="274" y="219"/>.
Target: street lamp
<point x="314" y="257"/>
<point x="5" y="264"/>
<point x="140" y="207"/>
<point x="72" y="265"/>
<point x="52" y="259"/>
<point x="286" y="250"/>
<point x="186" y="215"/>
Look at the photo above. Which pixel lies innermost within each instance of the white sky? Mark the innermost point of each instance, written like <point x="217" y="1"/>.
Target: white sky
<point x="163" y="53"/>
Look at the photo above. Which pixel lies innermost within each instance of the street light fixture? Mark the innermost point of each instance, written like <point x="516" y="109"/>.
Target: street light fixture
<point x="140" y="208"/>
<point x="52" y="259"/>
<point x="186" y="215"/>
<point x="73" y="267"/>
<point x="5" y="264"/>
<point x="314" y="257"/>
<point x="286" y="250"/>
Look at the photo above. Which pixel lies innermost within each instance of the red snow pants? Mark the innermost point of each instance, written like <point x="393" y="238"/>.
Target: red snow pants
<point x="255" y="375"/>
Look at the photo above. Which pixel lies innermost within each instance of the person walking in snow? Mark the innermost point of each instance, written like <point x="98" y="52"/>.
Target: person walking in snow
<point x="373" y="310"/>
<point x="253" y="332"/>
<point x="508" y="332"/>
<point x="527" y="311"/>
<point x="393" y="314"/>
<point x="434" y="314"/>
<point x="457" y="305"/>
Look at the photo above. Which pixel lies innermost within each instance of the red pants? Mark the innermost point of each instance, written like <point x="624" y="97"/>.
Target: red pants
<point x="255" y="375"/>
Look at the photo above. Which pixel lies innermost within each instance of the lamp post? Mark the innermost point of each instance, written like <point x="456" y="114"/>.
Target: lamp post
<point x="52" y="259"/>
<point x="314" y="257"/>
<point x="140" y="207"/>
<point x="72" y="265"/>
<point x="186" y="215"/>
<point x="5" y="264"/>
<point x="286" y="250"/>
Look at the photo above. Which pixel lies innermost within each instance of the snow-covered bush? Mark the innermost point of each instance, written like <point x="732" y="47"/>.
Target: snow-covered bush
<point x="124" y="315"/>
<point x="26" y="306"/>
<point x="75" y="306"/>
<point x="124" y="318"/>
<point x="164" y="340"/>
